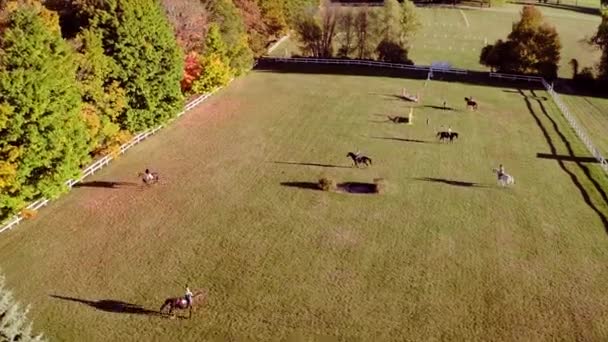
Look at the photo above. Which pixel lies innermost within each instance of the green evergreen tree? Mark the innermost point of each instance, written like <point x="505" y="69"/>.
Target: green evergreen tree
<point x="43" y="141"/>
<point x="14" y="325"/>
<point x="234" y="34"/>
<point x="149" y="63"/>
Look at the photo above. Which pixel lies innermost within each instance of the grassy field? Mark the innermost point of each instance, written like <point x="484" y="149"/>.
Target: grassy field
<point x="458" y="35"/>
<point x="445" y="254"/>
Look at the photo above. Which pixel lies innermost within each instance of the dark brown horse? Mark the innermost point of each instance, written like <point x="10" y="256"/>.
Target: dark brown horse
<point x="179" y="303"/>
<point x="359" y="160"/>
<point x="472" y="104"/>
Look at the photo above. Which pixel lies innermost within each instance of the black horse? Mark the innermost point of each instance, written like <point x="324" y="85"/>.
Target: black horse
<point x="453" y="135"/>
<point x="471" y="103"/>
<point x="443" y="135"/>
<point x="358" y="160"/>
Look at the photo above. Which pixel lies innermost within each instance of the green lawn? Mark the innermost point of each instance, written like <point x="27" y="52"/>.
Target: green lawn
<point x="445" y="254"/>
<point x="446" y="35"/>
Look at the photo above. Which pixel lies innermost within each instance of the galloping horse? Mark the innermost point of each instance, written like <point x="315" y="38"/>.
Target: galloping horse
<point x="443" y="135"/>
<point x="179" y="303"/>
<point x="453" y="135"/>
<point x="359" y="159"/>
<point x="471" y="104"/>
<point x="504" y="179"/>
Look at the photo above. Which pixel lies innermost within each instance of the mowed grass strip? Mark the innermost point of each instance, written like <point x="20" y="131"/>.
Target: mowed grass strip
<point x="444" y="254"/>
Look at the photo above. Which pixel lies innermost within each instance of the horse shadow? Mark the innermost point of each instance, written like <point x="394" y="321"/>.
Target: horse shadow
<point x="104" y="184"/>
<point x="452" y="182"/>
<point x="406" y="140"/>
<point x="440" y="107"/>
<point x="312" y="164"/>
<point x="110" y="305"/>
<point x="302" y="185"/>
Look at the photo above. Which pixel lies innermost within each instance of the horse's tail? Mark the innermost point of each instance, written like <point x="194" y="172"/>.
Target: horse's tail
<point x="164" y="306"/>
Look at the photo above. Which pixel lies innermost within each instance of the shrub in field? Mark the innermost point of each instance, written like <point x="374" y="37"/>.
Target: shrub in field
<point x="43" y="140"/>
<point x="392" y="52"/>
<point x="327" y="183"/>
<point x="380" y="184"/>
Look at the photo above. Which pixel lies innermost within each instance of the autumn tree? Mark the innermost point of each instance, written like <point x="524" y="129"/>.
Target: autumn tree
<point x="346" y="25"/>
<point x="43" y="141"/>
<point x="226" y="15"/>
<point x="189" y="19"/>
<point x="215" y="63"/>
<point x="274" y="16"/>
<point x="318" y="31"/>
<point x="257" y="32"/>
<point x="365" y="32"/>
<point x="533" y="47"/>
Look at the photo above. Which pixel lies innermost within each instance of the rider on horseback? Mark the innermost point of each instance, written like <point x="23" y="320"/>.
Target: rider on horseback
<point x="188" y="296"/>
<point x="148" y="176"/>
<point x="501" y="171"/>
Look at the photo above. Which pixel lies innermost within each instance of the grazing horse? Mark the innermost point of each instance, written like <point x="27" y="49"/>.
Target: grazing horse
<point x="504" y="179"/>
<point x="179" y="303"/>
<point x="357" y="160"/>
<point x="453" y="135"/>
<point x="443" y="135"/>
<point x="471" y="104"/>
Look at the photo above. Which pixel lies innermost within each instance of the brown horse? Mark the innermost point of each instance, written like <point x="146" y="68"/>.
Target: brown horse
<point x="471" y="104"/>
<point x="179" y="303"/>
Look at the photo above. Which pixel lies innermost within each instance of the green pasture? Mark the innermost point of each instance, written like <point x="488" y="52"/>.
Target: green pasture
<point x="444" y="254"/>
<point x="457" y="35"/>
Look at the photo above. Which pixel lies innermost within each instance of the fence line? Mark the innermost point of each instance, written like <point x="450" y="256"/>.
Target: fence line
<point x="99" y="164"/>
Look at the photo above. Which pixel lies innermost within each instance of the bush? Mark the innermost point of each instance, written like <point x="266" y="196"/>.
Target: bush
<point x="392" y="52"/>
<point x="380" y="184"/>
<point x="327" y="184"/>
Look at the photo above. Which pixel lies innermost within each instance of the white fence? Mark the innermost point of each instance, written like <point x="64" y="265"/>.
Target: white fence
<point x="99" y="164"/>
<point x="511" y="77"/>
<point x="580" y="131"/>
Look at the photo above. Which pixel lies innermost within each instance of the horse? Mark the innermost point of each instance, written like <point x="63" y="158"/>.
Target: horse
<point x="453" y="135"/>
<point x="179" y="303"/>
<point x="471" y="104"/>
<point x="443" y="135"/>
<point x="147" y="181"/>
<point x="397" y="119"/>
<point x="359" y="159"/>
<point x="504" y="179"/>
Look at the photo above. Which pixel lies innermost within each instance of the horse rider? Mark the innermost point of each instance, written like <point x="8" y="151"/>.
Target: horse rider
<point x="188" y="296"/>
<point x="501" y="171"/>
<point x="450" y="130"/>
<point x="148" y="176"/>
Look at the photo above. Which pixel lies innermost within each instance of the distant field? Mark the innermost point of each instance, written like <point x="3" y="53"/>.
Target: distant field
<point x="445" y="254"/>
<point x="447" y="36"/>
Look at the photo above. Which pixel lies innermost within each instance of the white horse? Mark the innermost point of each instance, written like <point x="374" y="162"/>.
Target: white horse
<point x="504" y="179"/>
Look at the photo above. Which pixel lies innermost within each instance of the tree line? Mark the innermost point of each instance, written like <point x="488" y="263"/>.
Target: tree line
<point x="78" y="78"/>
<point x="363" y="32"/>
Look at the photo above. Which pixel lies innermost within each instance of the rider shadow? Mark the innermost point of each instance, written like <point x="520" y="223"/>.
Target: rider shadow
<point x="452" y="182"/>
<point x="110" y="305"/>
<point x="104" y="184"/>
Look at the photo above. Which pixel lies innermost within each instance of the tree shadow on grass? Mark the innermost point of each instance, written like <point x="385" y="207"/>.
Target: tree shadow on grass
<point x="104" y="184"/>
<point x="452" y="182"/>
<point x="110" y="305"/>
<point x="312" y="164"/>
<point x="573" y="177"/>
